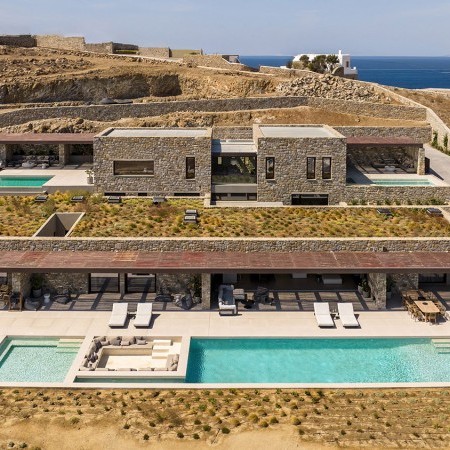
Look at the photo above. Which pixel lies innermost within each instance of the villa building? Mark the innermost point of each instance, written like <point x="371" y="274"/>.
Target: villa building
<point x="344" y="62"/>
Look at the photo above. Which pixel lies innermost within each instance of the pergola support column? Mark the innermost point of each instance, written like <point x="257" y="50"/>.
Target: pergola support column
<point x="377" y="283"/>
<point x="21" y="283"/>
<point x="421" y="161"/>
<point x="64" y="154"/>
<point x="206" y="291"/>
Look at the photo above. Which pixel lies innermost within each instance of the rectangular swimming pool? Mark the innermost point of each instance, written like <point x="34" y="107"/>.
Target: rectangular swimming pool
<point x="36" y="359"/>
<point x="336" y="360"/>
<point x="23" y="181"/>
<point x="402" y="182"/>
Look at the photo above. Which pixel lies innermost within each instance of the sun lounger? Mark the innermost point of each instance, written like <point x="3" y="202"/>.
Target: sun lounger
<point x="347" y="315"/>
<point x="143" y="315"/>
<point x="119" y="315"/>
<point x="323" y="316"/>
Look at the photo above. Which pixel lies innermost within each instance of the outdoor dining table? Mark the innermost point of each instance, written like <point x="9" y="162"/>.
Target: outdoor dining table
<point x="429" y="309"/>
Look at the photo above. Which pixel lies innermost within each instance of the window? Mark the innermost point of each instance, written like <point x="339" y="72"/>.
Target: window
<point x="270" y="168"/>
<point x="141" y="167"/>
<point x="190" y="168"/>
<point x="310" y="168"/>
<point x="326" y="168"/>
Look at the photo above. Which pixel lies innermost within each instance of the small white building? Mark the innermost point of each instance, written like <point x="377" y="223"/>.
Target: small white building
<point x="344" y="61"/>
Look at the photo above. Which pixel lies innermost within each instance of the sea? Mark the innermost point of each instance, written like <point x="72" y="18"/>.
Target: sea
<point x="410" y="72"/>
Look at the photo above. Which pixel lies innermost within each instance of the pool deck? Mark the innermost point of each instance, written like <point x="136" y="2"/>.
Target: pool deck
<point x="209" y="324"/>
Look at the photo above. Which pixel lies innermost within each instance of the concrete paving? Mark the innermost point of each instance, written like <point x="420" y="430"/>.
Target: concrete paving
<point x="439" y="163"/>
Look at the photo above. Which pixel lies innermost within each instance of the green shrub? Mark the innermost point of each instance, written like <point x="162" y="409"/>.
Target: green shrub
<point x="225" y="430"/>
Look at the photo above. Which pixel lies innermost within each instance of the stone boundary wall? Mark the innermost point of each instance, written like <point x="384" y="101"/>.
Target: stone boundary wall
<point x="253" y="245"/>
<point x="232" y="132"/>
<point x="369" y="109"/>
<point x="432" y="118"/>
<point x="155" y="52"/>
<point x="104" y="47"/>
<point x="291" y="73"/>
<point x="118" y="46"/>
<point x="215" y="61"/>
<point x="21" y="40"/>
<point x="56" y="41"/>
<point x="381" y="194"/>
<point x="421" y="134"/>
<point x="117" y="112"/>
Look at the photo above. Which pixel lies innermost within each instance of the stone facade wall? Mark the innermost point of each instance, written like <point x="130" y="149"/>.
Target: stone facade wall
<point x="169" y="156"/>
<point x="173" y="284"/>
<point x="104" y="47"/>
<point x="216" y="61"/>
<point x="404" y="194"/>
<point x="420" y="134"/>
<point x="232" y="133"/>
<point x="57" y="283"/>
<point x="21" y="40"/>
<point x="61" y="42"/>
<point x="438" y="126"/>
<point x="404" y="281"/>
<point x="155" y="52"/>
<point x="21" y="282"/>
<point x="251" y="245"/>
<point x="369" y="109"/>
<point x="4" y="153"/>
<point x="290" y="167"/>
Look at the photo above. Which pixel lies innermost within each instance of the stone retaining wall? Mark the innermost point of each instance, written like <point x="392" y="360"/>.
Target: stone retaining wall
<point x="155" y="52"/>
<point x="105" y="47"/>
<point x="391" y="194"/>
<point x="291" y="73"/>
<point x="21" y="40"/>
<point x="117" y="112"/>
<point x="56" y="41"/>
<point x="232" y="132"/>
<point x="421" y="134"/>
<point x="215" y="61"/>
<point x="252" y="245"/>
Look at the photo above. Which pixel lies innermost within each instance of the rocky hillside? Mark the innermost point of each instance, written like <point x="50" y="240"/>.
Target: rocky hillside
<point x="328" y="86"/>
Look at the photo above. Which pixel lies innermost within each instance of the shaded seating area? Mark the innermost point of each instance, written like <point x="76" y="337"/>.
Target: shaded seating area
<point x="423" y="306"/>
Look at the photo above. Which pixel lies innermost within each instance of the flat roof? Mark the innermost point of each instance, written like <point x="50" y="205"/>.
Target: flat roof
<point x="380" y="141"/>
<point x="225" y="262"/>
<point x="47" y="138"/>
<point x="297" y="132"/>
<point x="157" y="132"/>
<point x="233" y="146"/>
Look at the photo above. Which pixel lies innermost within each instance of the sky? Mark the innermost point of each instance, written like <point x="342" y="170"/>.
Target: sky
<point x="245" y="27"/>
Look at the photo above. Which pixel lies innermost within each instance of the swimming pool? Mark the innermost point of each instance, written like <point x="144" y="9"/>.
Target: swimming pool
<point x="316" y="361"/>
<point x="24" y="181"/>
<point x="402" y="182"/>
<point x="36" y="359"/>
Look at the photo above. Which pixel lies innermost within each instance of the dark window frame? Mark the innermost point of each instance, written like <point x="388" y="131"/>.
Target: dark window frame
<point x="310" y="175"/>
<point x="190" y="171"/>
<point x="141" y="173"/>
<point x="326" y="175"/>
<point x="270" y="168"/>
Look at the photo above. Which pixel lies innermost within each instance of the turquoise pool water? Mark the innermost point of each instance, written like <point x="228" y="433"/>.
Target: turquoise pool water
<point x="34" y="360"/>
<point x="23" y="181"/>
<point x="316" y="361"/>
<point x="403" y="182"/>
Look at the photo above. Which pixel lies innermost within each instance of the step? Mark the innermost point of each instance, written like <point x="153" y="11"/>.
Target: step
<point x="440" y="341"/>
<point x="66" y="341"/>
<point x="165" y="342"/>
<point x="69" y="345"/>
<point x="443" y="350"/>
<point x="67" y="350"/>
<point x="160" y="350"/>
<point x="443" y="345"/>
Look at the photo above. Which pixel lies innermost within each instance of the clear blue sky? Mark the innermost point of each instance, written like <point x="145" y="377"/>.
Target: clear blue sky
<point x="361" y="27"/>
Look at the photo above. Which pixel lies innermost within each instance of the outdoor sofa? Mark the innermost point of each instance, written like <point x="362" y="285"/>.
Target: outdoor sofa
<point x="227" y="303"/>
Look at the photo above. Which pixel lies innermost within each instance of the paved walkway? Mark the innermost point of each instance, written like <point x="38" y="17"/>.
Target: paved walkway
<point x="439" y="163"/>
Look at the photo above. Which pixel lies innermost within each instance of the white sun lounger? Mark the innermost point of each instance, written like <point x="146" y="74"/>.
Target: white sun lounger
<point x="323" y="316"/>
<point x="119" y="315"/>
<point x="143" y="315"/>
<point x="347" y="315"/>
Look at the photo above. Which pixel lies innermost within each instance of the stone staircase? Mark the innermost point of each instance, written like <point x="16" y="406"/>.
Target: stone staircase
<point x="441" y="345"/>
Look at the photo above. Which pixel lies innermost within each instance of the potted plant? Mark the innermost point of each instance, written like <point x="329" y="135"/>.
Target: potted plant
<point x="36" y="284"/>
<point x="90" y="176"/>
<point x="364" y="288"/>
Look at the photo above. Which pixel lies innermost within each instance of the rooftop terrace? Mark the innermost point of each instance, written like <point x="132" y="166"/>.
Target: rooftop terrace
<point x="138" y="217"/>
<point x="157" y="132"/>
<point x="298" y="132"/>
